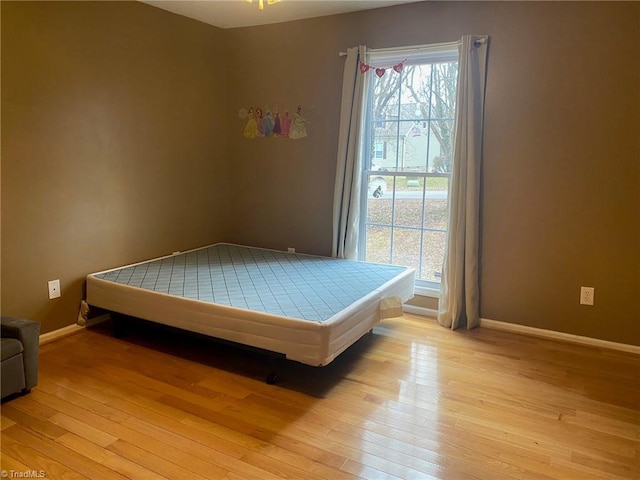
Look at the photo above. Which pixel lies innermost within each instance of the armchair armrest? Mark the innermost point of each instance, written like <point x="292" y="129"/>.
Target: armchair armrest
<point x="28" y="333"/>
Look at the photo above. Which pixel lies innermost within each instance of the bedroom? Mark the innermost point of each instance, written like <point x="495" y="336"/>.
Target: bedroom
<point x="121" y="142"/>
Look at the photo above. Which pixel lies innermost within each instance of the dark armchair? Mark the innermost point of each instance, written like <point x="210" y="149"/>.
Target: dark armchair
<point x="19" y="352"/>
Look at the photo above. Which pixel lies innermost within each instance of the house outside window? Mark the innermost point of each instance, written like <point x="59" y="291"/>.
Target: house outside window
<point x="379" y="150"/>
<point x="412" y="114"/>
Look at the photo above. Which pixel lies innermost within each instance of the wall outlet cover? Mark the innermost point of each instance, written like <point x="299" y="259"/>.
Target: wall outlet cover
<point x="586" y="295"/>
<point x="54" y="289"/>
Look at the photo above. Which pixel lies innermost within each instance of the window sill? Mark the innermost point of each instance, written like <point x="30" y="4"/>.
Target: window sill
<point x="426" y="291"/>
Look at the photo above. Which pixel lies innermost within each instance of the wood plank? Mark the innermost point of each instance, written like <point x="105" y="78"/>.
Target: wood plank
<point x="83" y="430"/>
<point x="85" y="448"/>
<point x="21" y="457"/>
<point x="73" y="461"/>
<point x="411" y="400"/>
<point x="6" y="422"/>
<point x="33" y="423"/>
<point x="149" y="461"/>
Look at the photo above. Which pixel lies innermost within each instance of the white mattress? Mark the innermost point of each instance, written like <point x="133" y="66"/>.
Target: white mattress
<point x="306" y="307"/>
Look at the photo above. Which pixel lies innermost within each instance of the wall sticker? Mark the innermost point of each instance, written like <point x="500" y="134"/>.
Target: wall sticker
<point x="266" y="123"/>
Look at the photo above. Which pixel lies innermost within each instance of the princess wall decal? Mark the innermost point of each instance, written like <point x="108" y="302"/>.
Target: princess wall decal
<point x="298" y="125"/>
<point x="273" y="123"/>
<point x="251" y="128"/>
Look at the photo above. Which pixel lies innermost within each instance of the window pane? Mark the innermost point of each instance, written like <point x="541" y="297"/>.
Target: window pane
<point x="416" y="92"/>
<point x="409" y="206"/>
<point x="432" y="256"/>
<point x="384" y="146"/>
<point x="435" y="212"/>
<point x="406" y="247"/>
<point x="443" y="96"/>
<point x="379" y="199"/>
<point x="414" y="144"/>
<point x="443" y="90"/>
<point x="386" y="97"/>
<point x="378" y="245"/>
<point x="440" y="146"/>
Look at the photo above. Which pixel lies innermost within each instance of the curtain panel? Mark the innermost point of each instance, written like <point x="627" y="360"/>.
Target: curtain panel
<point x="459" y="301"/>
<point x="347" y="190"/>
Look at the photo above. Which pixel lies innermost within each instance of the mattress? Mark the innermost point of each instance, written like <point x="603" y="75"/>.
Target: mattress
<point x="306" y="307"/>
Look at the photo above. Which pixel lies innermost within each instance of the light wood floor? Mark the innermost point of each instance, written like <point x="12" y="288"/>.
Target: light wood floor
<point x="412" y="400"/>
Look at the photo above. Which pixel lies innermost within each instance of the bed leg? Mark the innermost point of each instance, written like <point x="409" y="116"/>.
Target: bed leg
<point x="272" y="378"/>
<point x="118" y="327"/>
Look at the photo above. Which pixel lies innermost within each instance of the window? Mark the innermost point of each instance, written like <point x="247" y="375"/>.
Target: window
<point x="409" y="125"/>
<point x="379" y="150"/>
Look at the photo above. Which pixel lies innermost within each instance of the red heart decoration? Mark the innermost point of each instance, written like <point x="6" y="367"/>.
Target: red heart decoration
<point x="380" y="72"/>
<point x="364" y="67"/>
<point x="398" y="67"/>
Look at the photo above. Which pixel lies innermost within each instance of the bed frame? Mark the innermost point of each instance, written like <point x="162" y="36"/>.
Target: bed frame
<point x="307" y="308"/>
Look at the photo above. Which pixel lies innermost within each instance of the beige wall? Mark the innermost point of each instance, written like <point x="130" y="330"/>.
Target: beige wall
<point x="114" y="145"/>
<point x="103" y="124"/>
<point x="560" y="200"/>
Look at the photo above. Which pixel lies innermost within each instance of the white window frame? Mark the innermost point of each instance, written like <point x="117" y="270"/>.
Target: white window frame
<point x="414" y="55"/>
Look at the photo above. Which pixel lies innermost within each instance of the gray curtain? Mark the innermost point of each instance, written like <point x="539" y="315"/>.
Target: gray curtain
<point x="347" y="191"/>
<point x="460" y="289"/>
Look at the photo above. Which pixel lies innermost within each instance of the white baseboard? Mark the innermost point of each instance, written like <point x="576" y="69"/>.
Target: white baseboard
<point x="70" y="330"/>
<point x="425" y="312"/>
<point x="534" y="332"/>
<point x="60" y="333"/>
<point x="553" y="335"/>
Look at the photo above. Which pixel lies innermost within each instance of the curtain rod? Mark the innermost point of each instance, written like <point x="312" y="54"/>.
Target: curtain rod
<point x="480" y="41"/>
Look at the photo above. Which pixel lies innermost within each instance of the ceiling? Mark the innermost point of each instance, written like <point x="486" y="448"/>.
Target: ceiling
<point x="241" y="13"/>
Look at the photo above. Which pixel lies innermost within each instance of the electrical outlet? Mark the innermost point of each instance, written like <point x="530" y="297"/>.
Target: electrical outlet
<point x="586" y="295"/>
<point x="291" y="250"/>
<point x="54" y="289"/>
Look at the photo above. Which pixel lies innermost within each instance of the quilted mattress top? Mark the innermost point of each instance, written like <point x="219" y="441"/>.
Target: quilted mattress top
<point x="293" y="285"/>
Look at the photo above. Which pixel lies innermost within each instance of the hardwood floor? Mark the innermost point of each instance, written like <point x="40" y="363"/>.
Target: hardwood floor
<point x="412" y="400"/>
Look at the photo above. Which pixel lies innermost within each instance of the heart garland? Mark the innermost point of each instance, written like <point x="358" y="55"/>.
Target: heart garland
<point x="380" y="71"/>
